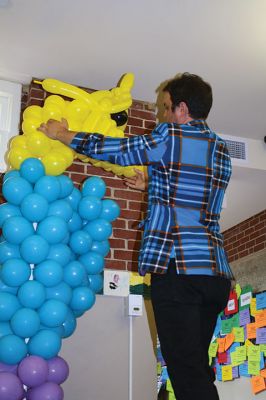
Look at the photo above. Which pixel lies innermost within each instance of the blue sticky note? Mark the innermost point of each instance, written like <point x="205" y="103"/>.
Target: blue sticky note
<point x="244" y="317"/>
<point x="219" y="372"/>
<point x="261" y="301"/>
<point x="243" y="369"/>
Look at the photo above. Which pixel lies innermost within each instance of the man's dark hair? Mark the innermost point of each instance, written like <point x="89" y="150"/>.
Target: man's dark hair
<point x="192" y="90"/>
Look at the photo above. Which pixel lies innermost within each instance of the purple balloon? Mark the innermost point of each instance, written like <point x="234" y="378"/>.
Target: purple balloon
<point x="13" y="368"/>
<point x="33" y="371"/>
<point x="11" y="387"/>
<point x="58" y="370"/>
<point x="47" y="391"/>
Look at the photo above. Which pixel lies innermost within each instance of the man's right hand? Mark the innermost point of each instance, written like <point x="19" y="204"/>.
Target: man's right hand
<point x="137" y="182"/>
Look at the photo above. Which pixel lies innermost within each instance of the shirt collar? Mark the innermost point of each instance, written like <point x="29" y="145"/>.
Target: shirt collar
<point x="201" y="124"/>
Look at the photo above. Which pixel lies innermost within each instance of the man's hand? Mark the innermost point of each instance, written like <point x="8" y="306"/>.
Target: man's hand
<point x="136" y="182"/>
<point x="53" y="129"/>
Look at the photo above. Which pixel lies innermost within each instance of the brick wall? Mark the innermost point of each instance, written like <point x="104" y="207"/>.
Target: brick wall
<point x="246" y="238"/>
<point x="126" y="237"/>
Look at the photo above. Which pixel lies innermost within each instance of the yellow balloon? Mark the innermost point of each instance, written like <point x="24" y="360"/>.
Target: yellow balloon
<point x="66" y="151"/>
<point x="54" y="163"/>
<point x="34" y="112"/>
<point x="51" y="111"/>
<point x="74" y="125"/>
<point x="16" y="156"/>
<point x="19" y="142"/>
<point x="38" y="144"/>
<point x="56" y="100"/>
<point x="78" y="110"/>
<point x="30" y="125"/>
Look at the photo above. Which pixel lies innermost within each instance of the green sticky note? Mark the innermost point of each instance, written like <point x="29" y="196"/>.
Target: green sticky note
<point x="239" y="334"/>
<point x="213" y="349"/>
<point x="235" y="361"/>
<point x="159" y="368"/>
<point x="235" y="321"/>
<point x="169" y="386"/>
<point x="253" y="367"/>
<point x="241" y="352"/>
<point x="171" y="396"/>
<point x="263" y="349"/>
<point x="254" y="353"/>
<point x="226" y="326"/>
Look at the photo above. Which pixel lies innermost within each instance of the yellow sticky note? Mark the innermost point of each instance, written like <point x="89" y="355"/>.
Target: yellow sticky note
<point x="253" y="306"/>
<point x="238" y="290"/>
<point x="253" y="353"/>
<point x="239" y="334"/>
<point x="213" y="349"/>
<point x="241" y="352"/>
<point x="227" y="373"/>
<point x="248" y="343"/>
<point x="235" y="359"/>
<point x="260" y="318"/>
<point x="263" y="349"/>
<point x="253" y="367"/>
<point x="257" y="384"/>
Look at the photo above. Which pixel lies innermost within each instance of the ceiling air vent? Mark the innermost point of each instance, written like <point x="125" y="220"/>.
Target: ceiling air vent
<point x="237" y="149"/>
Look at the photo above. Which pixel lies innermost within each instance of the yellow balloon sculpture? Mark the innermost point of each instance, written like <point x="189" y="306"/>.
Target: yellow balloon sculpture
<point x="104" y="111"/>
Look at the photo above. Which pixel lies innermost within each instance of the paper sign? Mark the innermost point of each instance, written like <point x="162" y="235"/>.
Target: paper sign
<point x="261" y="300"/>
<point x="227" y="373"/>
<point x="257" y="384"/>
<point x="239" y="334"/>
<point x="251" y="330"/>
<point x="244" y="317"/>
<point x="260" y="318"/>
<point x="245" y="299"/>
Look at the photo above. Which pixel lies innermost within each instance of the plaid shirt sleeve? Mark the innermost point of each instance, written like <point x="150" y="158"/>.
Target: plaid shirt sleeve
<point x="141" y="149"/>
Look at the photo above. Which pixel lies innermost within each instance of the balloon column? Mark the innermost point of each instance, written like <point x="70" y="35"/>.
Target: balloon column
<point x="104" y="111"/>
<point x="54" y="240"/>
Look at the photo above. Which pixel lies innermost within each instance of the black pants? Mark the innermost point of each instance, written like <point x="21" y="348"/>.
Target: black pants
<point x="186" y="309"/>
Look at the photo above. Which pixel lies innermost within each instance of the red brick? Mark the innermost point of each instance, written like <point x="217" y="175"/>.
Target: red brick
<point x="149" y="125"/>
<point x="126" y="255"/>
<point x="119" y="223"/>
<point x="35" y="102"/>
<point x="135" y="121"/>
<point x="78" y="178"/>
<point x="134" y="130"/>
<point x="135" y="205"/>
<point x="261" y="239"/>
<point x="117" y="243"/>
<point x="127" y="234"/>
<point x="77" y="168"/>
<point x="145" y="115"/>
<point x="133" y="245"/>
<point x="115" y="264"/>
<point x="129" y="194"/>
<point x="129" y="214"/>
<point x="132" y="266"/>
<point x="137" y="105"/>
<point x="118" y="183"/>
<point x="259" y="247"/>
<point x="243" y="253"/>
<point x="249" y="231"/>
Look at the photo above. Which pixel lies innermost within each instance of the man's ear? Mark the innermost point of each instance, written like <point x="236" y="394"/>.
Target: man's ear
<point x="183" y="108"/>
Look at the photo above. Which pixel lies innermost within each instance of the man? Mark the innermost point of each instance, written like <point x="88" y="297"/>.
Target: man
<point x="188" y="171"/>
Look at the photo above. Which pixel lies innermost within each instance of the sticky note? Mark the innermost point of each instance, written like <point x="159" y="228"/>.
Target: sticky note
<point x="263" y="372"/>
<point x="253" y="367"/>
<point x="235" y="359"/>
<point x="221" y="344"/>
<point x="260" y="318"/>
<point x="251" y="330"/>
<point x="263" y="349"/>
<point x="222" y="358"/>
<point x="261" y="336"/>
<point x="226" y="326"/>
<point x="238" y="290"/>
<point x="245" y="299"/>
<point x="253" y="353"/>
<point x="244" y="317"/>
<point x="241" y="352"/>
<point x="213" y="349"/>
<point x="227" y="373"/>
<point x="239" y="334"/>
<point x="261" y="300"/>
<point x="253" y="306"/>
<point x="243" y="369"/>
<point x="229" y="340"/>
<point x="232" y="304"/>
<point x="257" y="384"/>
<point x="235" y="372"/>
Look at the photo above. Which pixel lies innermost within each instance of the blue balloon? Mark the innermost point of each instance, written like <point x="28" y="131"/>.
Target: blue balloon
<point x="99" y="229"/>
<point x="11" y="174"/>
<point x="48" y="187"/>
<point x="96" y="282"/>
<point x="48" y="272"/>
<point x="53" y="229"/>
<point x="6" y="288"/>
<point x="12" y="349"/>
<point x="94" y="186"/>
<point x="15" y="189"/>
<point x="45" y="343"/>
<point x="25" y="322"/>
<point x="83" y="298"/>
<point x="66" y="186"/>
<point x="32" y="169"/>
<point x="15" y="272"/>
<point x="34" y="249"/>
<point x="16" y="229"/>
<point x="74" y="198"/>
<point x="90" y="207"/>
<point x="62" y="292"/>
<point x="61" y="208"/>
<point x="60" y="253"/>
<point x="6" y="211"/>
<point x="102" y="247"/>
<point x="110" y="210"/>
<point x="74" y="273"/>
<point x="69" y="324"/>
<point x="9" y="304"/>
<point x="80" y="242"/>
<point x="93" y="262"/>
<point x="31" y="294"/>
<point x="78" y="313"/>
<point x="53" y="313"/>
<point x="7" y="251"/>
<point x="34" y="207"/>
<point x="75" y="222"/>
<point x="5" y="329"/>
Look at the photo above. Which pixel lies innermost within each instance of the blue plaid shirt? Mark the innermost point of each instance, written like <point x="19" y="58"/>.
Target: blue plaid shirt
<point x="189" y="169"/>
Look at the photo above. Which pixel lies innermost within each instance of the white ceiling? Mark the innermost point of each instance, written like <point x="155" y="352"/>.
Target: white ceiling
<point x="92" y="43"/>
